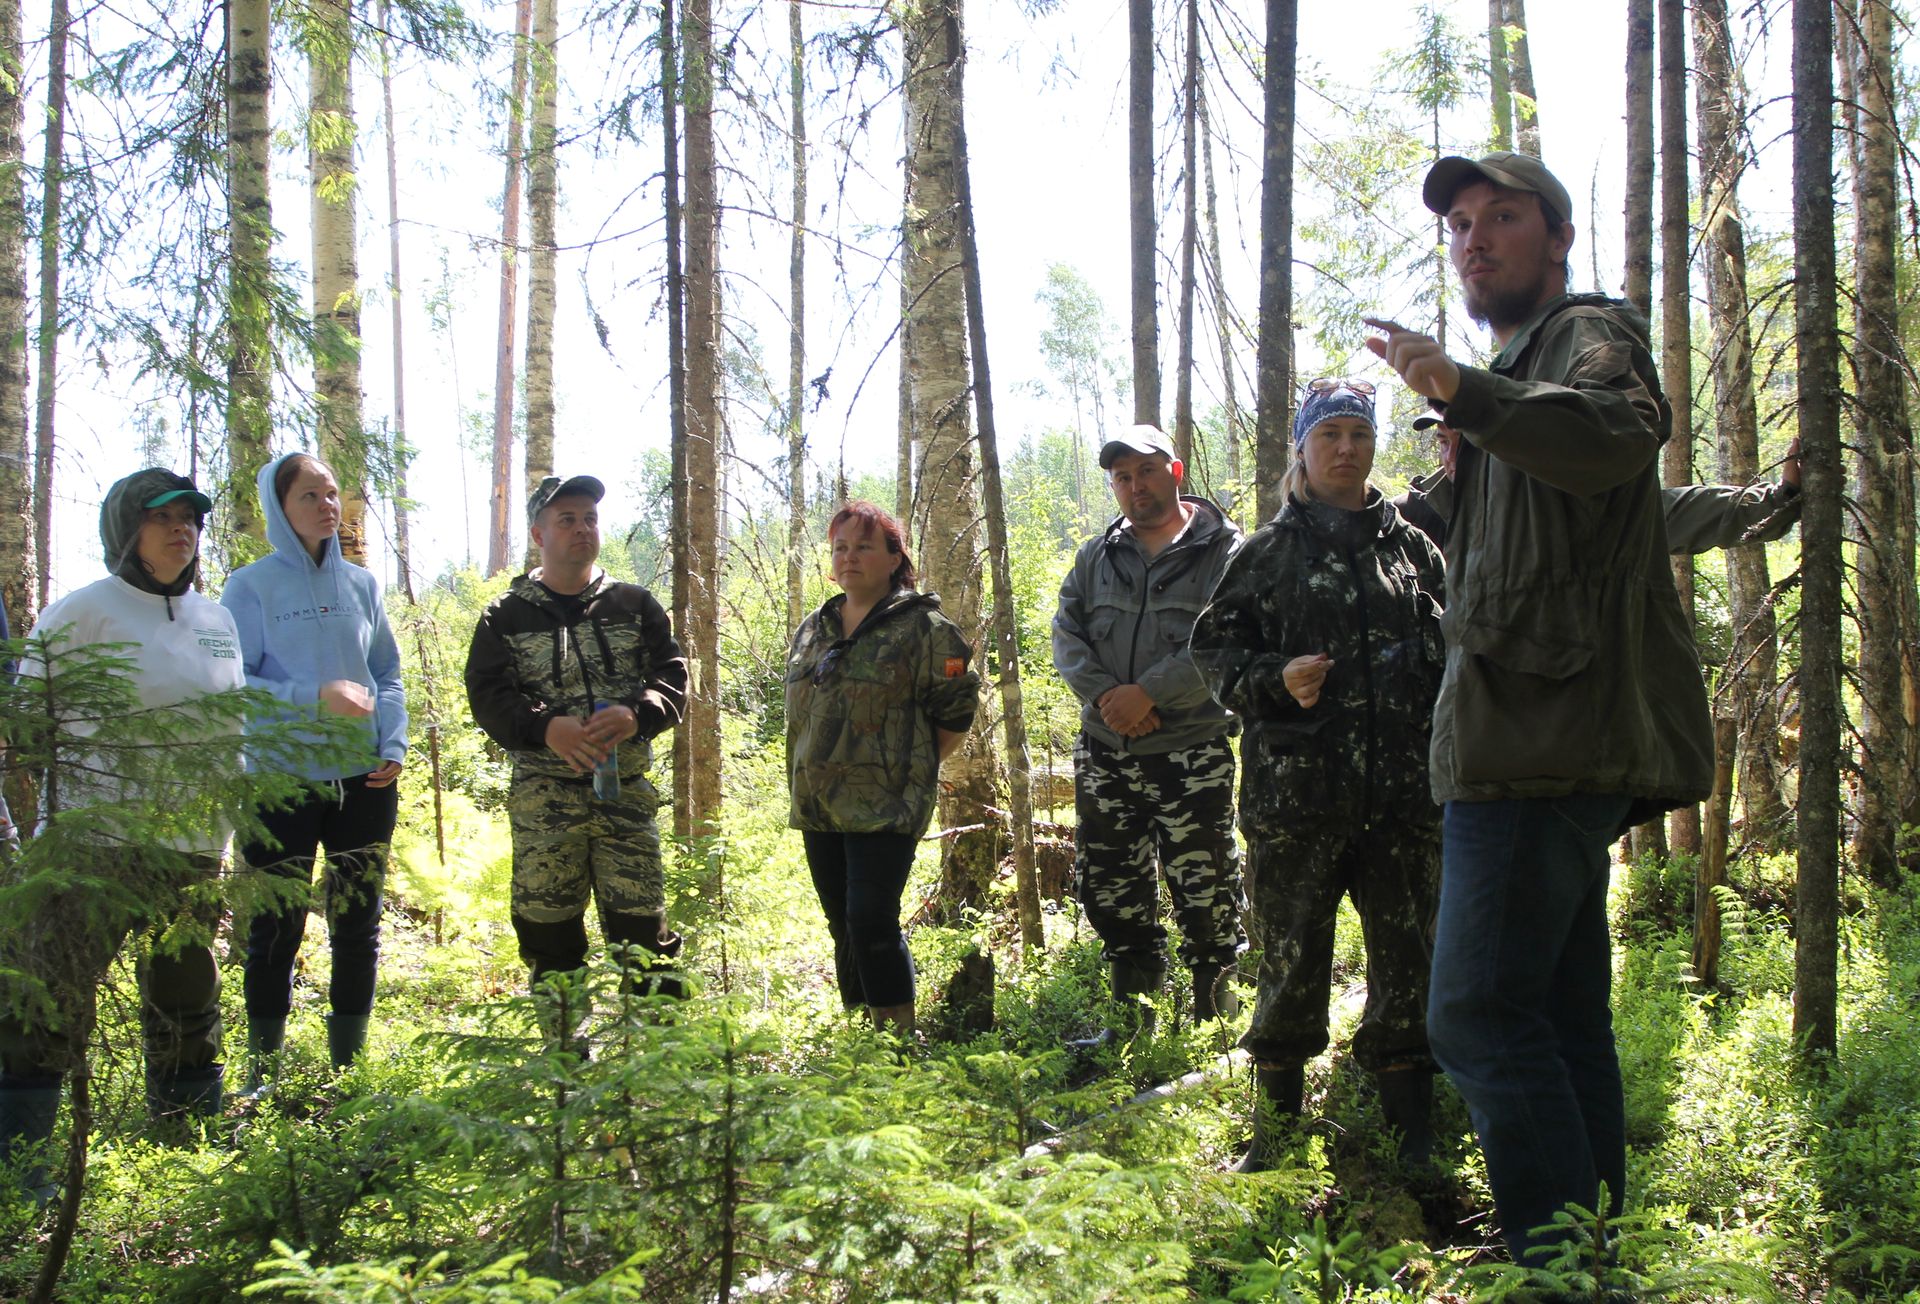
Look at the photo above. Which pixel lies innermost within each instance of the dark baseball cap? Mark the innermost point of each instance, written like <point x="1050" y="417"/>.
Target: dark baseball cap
<point x="1427" y="422"/>
<point x="1502" y="168"/>
<point x="1144" y="440"/>
<point x="579" y="486"/>
<point x="195" y="499"/>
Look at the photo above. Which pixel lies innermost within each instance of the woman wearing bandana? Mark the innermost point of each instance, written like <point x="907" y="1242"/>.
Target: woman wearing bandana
<point x="1324" y="638"/>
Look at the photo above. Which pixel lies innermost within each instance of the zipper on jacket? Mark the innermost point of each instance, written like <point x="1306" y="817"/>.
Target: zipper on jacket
<point x="1366" y="671"/>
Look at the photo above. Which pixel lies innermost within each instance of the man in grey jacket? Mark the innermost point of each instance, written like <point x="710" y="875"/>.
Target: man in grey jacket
<point x="1153" y="772"/>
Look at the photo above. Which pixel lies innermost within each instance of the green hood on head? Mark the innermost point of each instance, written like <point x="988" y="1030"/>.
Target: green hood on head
<point x="120" y="516"/>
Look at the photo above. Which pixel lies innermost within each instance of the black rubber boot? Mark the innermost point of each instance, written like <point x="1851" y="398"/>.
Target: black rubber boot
<point x="1406" y="1102"/>
<point x="265" y="1037"/>
<point x="1213" y="995"/>
<point x="1129" y="982"/>
<point x="346" y="1034"/>
<point x="1277" y="1098"/>
<point x="658" y="972"/>
<point x="189" y="1093"/>
<point x="27" y="1114"/>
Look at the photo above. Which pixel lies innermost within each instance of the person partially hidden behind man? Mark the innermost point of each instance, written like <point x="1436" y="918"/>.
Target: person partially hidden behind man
<point x="1572" y="705"/>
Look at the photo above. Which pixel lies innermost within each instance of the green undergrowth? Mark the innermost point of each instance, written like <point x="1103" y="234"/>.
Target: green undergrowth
<point x="758" y="1142"/>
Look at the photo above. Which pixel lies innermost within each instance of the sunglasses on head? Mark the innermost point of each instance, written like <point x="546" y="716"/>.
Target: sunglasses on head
<point x="1334" y="384"/>
<point x="831" y="661"/>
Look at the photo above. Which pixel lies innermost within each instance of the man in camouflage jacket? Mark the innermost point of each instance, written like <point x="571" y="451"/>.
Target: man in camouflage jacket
<point x="1572" y="706"/>
<point x="566" y="669"/>
<point x="1153" y="772"/>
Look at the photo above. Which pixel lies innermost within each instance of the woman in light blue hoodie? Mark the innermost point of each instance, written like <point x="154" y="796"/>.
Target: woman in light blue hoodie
<point x="314" y="633"/>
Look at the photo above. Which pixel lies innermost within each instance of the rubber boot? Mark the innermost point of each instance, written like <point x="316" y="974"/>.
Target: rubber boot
<point x="656" y="973"/>
<point x="189" y="1093"/>
<point x="897" y="1019"/>
<point x="346" y="1034"/>
<point x="1406" y="1102"/>
<point x="1213" y="994"/>
<point x="1129" y="981"/>
<point x="27" y="1114"/>
<point x="265" y="1037"/>
<point x="1277" y="1097"/>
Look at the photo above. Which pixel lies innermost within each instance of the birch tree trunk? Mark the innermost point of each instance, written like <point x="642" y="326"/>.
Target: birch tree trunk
<point x="1752" y="668"/>
<point x="401" y="452"/>
<point x="500" y="515"/>
<point x="18" y="552"/>
<point x="1006" y="603"/>
<point x="1816" y="331"/>
<point x="51" y="178"/>
<point x="1500" y="84"/>
<point x="946" y="500"/>
<point x="1676" y="317"/>
<point x="1273" y="378"/>
<point x="797" y="322"/>
<point x="704" y="433"/>
<point x="1639" y="245"/>
<point x="1189" y="238"/>
<point x="1884" y="548"/>
<point x="1142" y="217"/>
<point x="249" y="276"/>
<point x="1526" y="101"/>
<point x="336" y="270"/>
<point x="543" y="174"/>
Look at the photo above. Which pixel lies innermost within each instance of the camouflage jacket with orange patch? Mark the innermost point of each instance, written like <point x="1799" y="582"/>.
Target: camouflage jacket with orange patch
<point x="862" y="714"/>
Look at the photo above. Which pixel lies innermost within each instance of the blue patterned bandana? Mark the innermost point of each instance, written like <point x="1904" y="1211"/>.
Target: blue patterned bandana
<point x="1321" y="404"/>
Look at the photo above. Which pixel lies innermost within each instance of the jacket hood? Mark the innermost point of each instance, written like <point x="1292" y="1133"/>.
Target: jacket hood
<point x="527" y="587"/>
<point x="120" y="516"/>
<point x="1620" y="310"/>
<point x="895" y="602"/>
<point x="280" y="532"/>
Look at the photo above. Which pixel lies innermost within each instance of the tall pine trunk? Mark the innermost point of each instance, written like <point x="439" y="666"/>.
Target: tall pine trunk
<point x="500" y="513"/>
<point x="1142" y="214"/>
<point x="1676" y="315"/>
<point x="1817" y="384"/>
<point x="1526" y="100"/>
<point x="1006" y="602"/>
<point x="249" y="275"/>
<point x="51" y="179"/>
<point x="543" y="177"/>
<point x="681" y="598"/>
<point x="1273" y="379"/>
<point x="1499" y="83"/>
<point x="1222" y="310"/>
<point x="703" y="431"/>
<point x="400" y="453"/>
<point x="946" y="500"/>
<point x="797" y="321"/>
<point x="1189" y="238"/>
<point x="336" y="269"/>
<point x="1884" y="552"/>
<point x="1752" y="668"/>
<point x="1649" y="837"/>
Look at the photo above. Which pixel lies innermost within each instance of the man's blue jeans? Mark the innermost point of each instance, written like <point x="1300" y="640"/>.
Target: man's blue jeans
<point x="1519" y="1014"/>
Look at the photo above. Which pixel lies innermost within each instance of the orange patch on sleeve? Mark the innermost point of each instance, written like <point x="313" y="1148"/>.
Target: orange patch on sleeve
<point x="956" y="667"/>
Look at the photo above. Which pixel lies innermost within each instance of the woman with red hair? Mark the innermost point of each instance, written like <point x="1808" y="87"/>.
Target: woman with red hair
<point x="880" y="689"/>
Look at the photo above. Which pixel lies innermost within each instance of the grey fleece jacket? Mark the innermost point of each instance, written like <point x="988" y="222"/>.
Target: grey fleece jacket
<point x="1126" y="620"/>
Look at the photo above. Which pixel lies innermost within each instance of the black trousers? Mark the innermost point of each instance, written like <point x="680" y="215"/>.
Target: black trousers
<point x="353" y="824"/>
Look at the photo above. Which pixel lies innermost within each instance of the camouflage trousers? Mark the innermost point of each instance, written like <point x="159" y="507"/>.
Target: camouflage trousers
<point x="1141" y="816"/>
<point x="568" y="845"/>
<point x="1296" y="878"/>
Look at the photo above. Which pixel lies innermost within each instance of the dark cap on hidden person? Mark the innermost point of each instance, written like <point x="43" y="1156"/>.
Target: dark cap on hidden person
<point x="579" y="486"/>
<point x="1422" y="424"/>
<point x="1502" y="168"/>
<point x="1144" y="440"/>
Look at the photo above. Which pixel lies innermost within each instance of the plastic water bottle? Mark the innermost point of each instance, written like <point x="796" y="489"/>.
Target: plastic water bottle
<point x="606" y="775"/>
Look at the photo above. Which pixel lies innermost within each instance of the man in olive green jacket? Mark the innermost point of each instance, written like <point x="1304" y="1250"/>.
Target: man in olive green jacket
<point x="1572" y="704"/>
